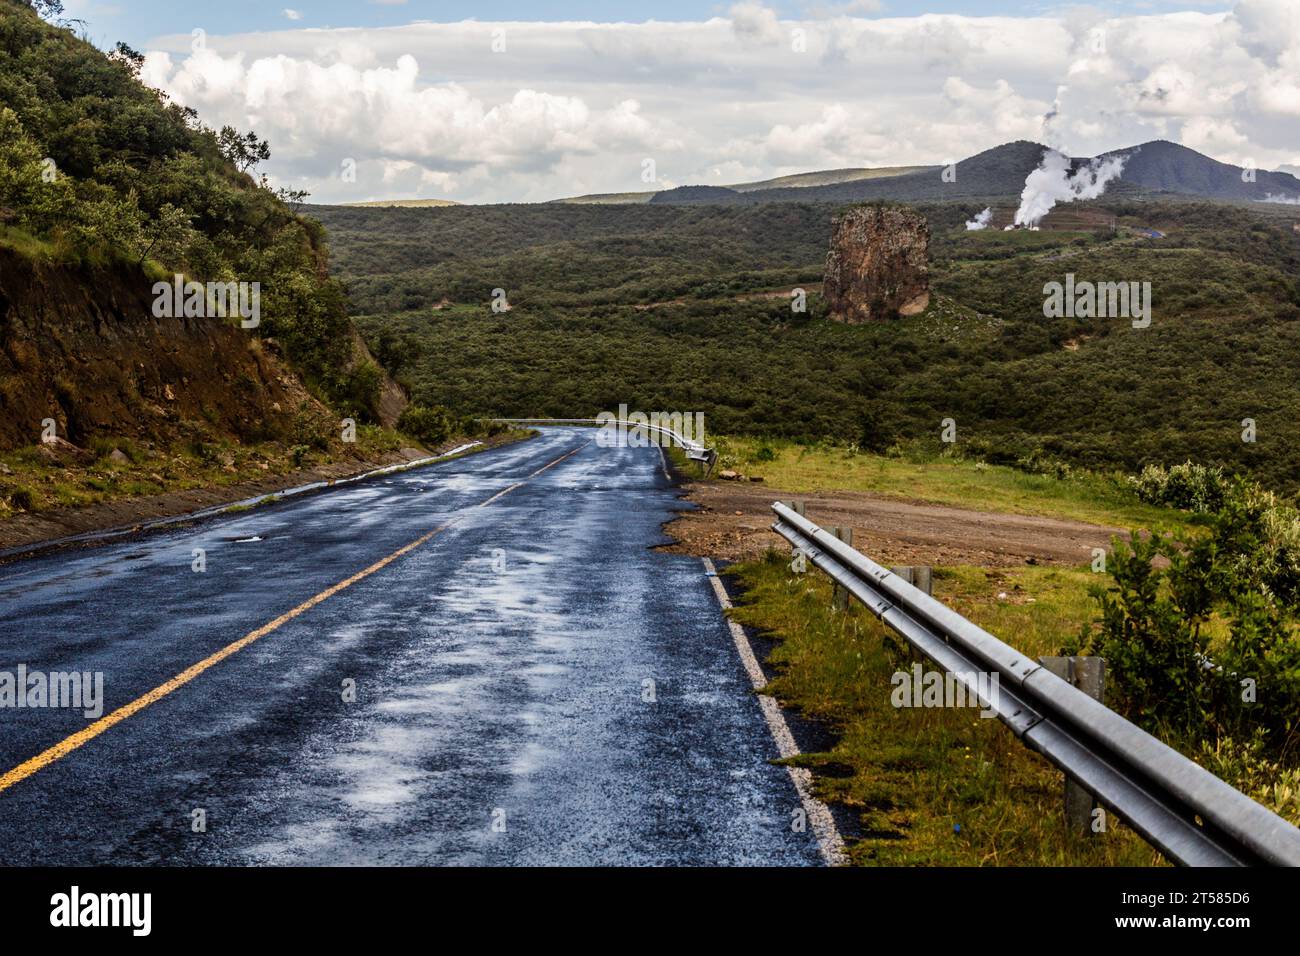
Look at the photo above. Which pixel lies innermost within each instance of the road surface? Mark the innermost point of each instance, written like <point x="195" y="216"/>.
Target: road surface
<point x="533" y="684"/>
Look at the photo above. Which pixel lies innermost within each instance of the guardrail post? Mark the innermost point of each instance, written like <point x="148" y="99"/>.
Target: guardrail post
<point x="839" y="593"/>
<point x="921" y="577"/>
<point x="1088" y="674"/>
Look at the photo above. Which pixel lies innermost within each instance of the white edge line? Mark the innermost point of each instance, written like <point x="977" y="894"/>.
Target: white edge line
<point x="829" y="840"/>
<point x="212" y="511"/>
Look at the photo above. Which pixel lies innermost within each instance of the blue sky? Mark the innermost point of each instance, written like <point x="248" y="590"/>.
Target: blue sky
<point x="137" y="21"/>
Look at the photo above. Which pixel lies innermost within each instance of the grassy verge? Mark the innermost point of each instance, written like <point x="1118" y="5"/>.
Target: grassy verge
<point x="793" y="467"/>
<point x="33" y="481"/>
<point x="930" y="786"/>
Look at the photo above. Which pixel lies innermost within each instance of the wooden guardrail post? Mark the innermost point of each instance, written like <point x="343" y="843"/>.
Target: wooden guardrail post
<point x="1087" y="674"/>
<point x="921" y="577"/>
<point x="839" y="593"/>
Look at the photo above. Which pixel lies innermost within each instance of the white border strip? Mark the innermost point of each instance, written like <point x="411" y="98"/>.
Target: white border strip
<point x="828" y="835"/>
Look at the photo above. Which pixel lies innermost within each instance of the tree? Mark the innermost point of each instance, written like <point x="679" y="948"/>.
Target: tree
<point x="166" y="235"/>
<point x="38" y="197"/>
<point x="293" y="198"/>
<point x="48" y="8"/>
<point x="245" y="151"/>
<point x="130" y="58"/>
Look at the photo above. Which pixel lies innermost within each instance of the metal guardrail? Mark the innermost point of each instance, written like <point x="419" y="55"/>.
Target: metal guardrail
<point x="694" y="450"/>
<point x="1182" y="809"/>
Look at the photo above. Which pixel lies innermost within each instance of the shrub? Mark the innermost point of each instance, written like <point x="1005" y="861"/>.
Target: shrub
<point x="1189" y="486"/>
<point x="1200" y="630"/>
<point x="1038" y="463"/>
<point x="433" y="426"/>
<point x="22" y="498"/>
<point x="309" y="429"/>
<point x="358" y="390"/>
<point x="1245" y="764"/>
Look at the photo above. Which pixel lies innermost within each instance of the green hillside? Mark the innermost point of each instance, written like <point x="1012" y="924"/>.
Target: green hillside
<point x="405" y="203"/>
<point x="686" y="308"/>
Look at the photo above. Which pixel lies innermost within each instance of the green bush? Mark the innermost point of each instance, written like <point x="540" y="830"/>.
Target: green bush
<point x="1201" y="489"/>
<point x="20" y="497"/>
<point x="1199" y="630"/>
<point x="1246" y="765"/>
<point x="432" y="426"/>
<point x="358" y="390"/>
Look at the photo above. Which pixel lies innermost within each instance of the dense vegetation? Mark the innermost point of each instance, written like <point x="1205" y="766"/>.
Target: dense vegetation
<point x="1198" y="628"/>
<point x="96" y="167"/>
<point x="687" y="308"/>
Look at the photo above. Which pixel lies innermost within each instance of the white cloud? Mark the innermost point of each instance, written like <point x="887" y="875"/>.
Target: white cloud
<point x="428" y="109"/>
<point x="754" y="23"/>
<point x="290" y="14"/>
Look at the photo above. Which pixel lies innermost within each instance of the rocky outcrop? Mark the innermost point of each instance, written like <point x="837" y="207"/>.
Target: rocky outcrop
<point x="879" y="265"/>
<point x="392" y="398"/>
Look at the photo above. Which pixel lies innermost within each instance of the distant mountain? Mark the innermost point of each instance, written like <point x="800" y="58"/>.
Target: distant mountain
<point x="705" y="194"/>
<point x="996" y="173"/>
<point x="828" y="177"/>
<point x="406" y="203"/>
<point x="1162" y="166"/>
<point x="605" y="199"/>
<point x="821" y="177"/>
<point x="999" y="174"/>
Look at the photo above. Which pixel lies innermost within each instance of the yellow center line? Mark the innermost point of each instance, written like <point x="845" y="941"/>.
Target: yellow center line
<point x="520" y="484"/>
<point x="500" y="494"/>
<point x="552" y="464"/>
<point x="90" y="732"/>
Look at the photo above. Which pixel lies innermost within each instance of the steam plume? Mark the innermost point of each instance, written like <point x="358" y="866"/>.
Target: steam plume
<point x="1052" y="182"/>
<point x="981" y="221"/>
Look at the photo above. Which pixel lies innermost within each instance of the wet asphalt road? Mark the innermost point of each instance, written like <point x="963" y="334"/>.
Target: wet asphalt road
<point x="501" y="670"/>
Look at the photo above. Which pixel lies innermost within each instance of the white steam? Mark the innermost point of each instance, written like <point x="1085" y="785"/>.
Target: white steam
<point x="981" y="221"/>
<point x="1282" y="198"/>
<point x="1052" y="182"/>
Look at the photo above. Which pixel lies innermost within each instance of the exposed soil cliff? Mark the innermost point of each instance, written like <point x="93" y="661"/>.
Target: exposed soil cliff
<point x="81" y="345"/>
<point x="878" y="266"/>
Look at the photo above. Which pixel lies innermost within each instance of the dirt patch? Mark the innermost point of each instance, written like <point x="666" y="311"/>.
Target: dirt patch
<point x="732" y="522"/>
<point x="25" y="529"/>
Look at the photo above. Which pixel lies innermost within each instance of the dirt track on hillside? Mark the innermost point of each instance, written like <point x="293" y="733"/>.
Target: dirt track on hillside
<point x="733" y="520"/>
